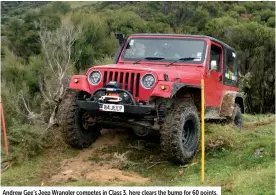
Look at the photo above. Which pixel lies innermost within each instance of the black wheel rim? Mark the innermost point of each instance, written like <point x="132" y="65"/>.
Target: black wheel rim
<point x="188" y="134"/>
<point x="86" y="121"/>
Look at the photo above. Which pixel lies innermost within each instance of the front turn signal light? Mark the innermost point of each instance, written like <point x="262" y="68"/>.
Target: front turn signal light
<point x="163" y="87"/>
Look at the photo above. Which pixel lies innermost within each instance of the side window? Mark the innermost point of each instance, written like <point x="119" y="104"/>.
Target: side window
<point x="231" y="68"/>
<point x="216" y="53"/>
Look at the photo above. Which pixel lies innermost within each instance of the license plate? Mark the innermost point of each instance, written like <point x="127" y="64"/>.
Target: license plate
<point x="113" y="94"/>
<point x="111" y="108"/>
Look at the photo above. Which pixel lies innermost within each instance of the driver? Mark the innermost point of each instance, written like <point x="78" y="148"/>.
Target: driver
<point x="167" y="51"/>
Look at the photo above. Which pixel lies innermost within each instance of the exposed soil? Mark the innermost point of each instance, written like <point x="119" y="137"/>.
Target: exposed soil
<point x="95" y="165"/>
<point x="115" y="174"/>
<point x="259" y="123"/>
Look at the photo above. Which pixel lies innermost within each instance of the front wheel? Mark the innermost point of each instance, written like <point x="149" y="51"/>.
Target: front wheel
<point x="180" y="133"/>
<point x="80" y="129"/>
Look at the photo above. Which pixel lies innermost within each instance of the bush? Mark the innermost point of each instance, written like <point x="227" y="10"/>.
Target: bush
<point x="25" y="141"/>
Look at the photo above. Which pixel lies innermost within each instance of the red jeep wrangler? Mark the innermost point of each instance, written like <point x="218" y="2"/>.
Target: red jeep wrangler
<point x="155" y="85"/>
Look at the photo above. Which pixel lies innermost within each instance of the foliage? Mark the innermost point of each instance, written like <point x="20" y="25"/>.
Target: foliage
<point x="22" y="32"/>
<point x="26" y="141"/>
<point x="19" y="78"/>
<point x="96" y="41"/>
<point x="246" y="26"/>
<point x="257" y="55"/>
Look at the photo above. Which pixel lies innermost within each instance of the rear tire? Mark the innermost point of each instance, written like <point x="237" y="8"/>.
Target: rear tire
<point x="75" y="132"/>
<point x="236" y="117"/>
<point x="180" y="133"/>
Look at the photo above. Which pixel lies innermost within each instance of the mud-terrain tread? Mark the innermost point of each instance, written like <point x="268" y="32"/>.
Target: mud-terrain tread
<point x="171" y="133"/>
<point x="71" y="133"/>
<point x="236" y="112"/>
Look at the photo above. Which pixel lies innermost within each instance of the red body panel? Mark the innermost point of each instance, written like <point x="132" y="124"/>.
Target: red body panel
<point x="81" y="85"/>
<point x="214" y="87"/>
<point x="190" y="74"/>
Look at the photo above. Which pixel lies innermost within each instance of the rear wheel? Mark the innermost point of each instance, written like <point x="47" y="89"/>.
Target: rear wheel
<point x="80" y="129"/>
<point x="180" y="133"/>
<point x="236" y="117"/>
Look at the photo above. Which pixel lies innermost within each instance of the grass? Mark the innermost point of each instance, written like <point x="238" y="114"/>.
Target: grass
<point x="32" y="172"/>
<point x="232" y="161"/>
<point x="27" y="173"/>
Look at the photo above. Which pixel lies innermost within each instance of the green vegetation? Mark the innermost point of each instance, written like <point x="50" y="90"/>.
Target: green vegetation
<point x="249" y="27"/>
<point x="241" y="161"/>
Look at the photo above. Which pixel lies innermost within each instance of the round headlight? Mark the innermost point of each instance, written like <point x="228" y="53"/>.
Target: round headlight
<point x="148" y="81"/>
<point x="95" y="77"/>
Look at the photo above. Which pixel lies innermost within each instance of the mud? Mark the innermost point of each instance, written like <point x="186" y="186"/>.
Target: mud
<point x="97" y="166"/>
<point x="228" y="104"/>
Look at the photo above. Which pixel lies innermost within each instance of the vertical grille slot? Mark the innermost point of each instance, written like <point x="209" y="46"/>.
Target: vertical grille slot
<point x="104" y="78"/>
<point x="137" y="80"/>
<point x="116" y="76"/>
<point x="107" y="77"/>
<point x="121" y="77"/>
<point x="126" y="81"/>
<point x="130" y="81"/>
<point x="110" y="76"/>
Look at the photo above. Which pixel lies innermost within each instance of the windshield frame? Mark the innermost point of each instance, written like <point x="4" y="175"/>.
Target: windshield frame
<point x="123" y="59"/>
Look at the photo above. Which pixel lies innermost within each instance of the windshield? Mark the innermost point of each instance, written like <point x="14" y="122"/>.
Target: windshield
<point x="166" y="49"/>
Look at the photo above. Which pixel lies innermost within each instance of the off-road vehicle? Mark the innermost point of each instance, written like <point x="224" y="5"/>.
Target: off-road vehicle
<point x="155" y="85"/>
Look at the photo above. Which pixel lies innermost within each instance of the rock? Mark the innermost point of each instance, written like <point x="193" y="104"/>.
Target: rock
<point x="71" y="178"/>
<point x="67" y="172"/>
<point x="259" y="152"/>
<point x="181" y="173"/>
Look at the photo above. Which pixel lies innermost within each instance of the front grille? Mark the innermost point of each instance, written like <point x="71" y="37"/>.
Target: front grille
<point x="129" y="81"/>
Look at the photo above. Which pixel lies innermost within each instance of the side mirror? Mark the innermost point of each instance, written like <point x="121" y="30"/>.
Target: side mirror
<point x="120" y="37"/>
<point x="214" y="65"/>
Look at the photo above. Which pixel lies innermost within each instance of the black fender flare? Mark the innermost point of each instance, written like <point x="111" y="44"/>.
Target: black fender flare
<point x="180" y="86"/>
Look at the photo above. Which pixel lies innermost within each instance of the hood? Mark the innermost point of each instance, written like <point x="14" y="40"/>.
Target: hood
<point x="184" y="72"/>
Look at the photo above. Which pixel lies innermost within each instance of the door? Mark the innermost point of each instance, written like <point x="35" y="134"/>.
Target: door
<point x="213" y="80"/>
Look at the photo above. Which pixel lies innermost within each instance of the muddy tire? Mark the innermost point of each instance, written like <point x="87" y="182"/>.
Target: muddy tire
<point x="180" y="133"/>
<point x="236" y="117"/>
<point x="75" y="132"/>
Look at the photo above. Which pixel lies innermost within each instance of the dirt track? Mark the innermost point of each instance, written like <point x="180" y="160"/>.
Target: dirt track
<point x="107" y="169"/>
<point x="107" y="161"/>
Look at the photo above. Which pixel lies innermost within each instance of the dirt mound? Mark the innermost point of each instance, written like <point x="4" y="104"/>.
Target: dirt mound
<point x="115" y="174"/>
<point x="96" y="173"/>
<point x="95" y="165"/>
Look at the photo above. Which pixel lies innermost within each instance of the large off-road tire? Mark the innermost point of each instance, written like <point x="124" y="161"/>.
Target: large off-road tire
<point x="236" y="117"/>
<point x="180" y="133"/>
<point x="76" y="132"/>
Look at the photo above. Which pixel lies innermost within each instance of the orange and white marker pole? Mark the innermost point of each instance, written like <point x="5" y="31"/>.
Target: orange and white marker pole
<point x="202" y="132"/>
<point x="4" y="129"/>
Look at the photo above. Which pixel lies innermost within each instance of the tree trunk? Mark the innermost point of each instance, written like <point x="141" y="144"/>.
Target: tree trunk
<point x="52" y="120"/>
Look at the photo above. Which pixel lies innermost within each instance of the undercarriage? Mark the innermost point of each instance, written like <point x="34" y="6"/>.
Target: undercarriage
<point x="116" y="108"/>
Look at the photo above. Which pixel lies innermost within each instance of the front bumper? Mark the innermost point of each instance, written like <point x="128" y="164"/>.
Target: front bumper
<point x="93" y="106"/>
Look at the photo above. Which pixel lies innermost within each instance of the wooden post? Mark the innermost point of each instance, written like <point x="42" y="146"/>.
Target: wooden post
<point x="4" y="129"/>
